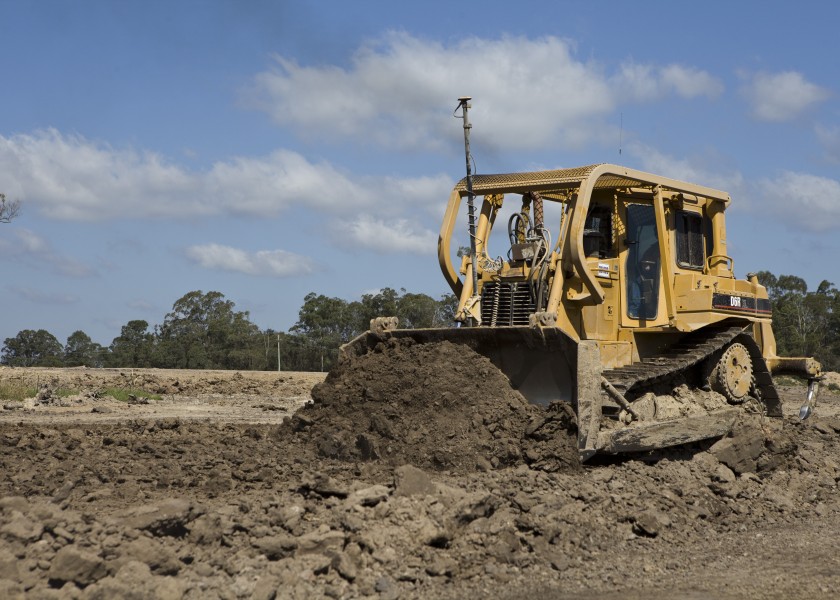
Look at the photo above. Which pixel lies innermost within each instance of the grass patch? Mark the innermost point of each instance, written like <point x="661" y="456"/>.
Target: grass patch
<point x="833" y="387"/>
<point x="789" y="380"/>
<point x="16" y="392"/>
<point x="122" y="394"/>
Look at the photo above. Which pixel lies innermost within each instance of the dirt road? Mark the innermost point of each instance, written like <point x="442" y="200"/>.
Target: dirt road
<point x="434" y="481"/>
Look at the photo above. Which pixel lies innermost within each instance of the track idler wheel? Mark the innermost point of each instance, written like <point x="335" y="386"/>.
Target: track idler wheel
<point x="732" y="375"/>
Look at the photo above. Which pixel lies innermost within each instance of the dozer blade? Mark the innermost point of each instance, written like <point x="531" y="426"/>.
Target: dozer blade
<point x="540" y="363"/>
<point x="545" y="365"/>
<point x="662" y="434"/>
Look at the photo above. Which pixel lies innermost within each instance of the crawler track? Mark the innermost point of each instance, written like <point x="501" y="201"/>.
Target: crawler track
<point x="692" y="351"/>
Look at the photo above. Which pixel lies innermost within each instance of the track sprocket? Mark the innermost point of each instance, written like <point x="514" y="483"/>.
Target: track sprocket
<point x="732" y="375"/>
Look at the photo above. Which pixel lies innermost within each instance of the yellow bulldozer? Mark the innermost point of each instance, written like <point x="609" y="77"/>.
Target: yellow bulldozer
<point x="631" y="291"/>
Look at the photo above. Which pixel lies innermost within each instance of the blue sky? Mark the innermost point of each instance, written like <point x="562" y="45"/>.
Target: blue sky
<point x="270" y="149"/>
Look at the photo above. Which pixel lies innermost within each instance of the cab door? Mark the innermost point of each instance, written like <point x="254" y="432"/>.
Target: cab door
<point x="641" y="273"/>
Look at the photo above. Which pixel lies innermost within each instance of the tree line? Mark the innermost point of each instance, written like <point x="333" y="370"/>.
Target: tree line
<point x="805" y="323"/>
<point x="205" y="331"/>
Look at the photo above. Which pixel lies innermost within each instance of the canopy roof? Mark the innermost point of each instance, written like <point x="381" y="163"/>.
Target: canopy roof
<point x="602" y="176"/>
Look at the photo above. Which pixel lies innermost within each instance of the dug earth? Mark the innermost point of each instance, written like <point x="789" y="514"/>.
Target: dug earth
<point x="410" y="472"/>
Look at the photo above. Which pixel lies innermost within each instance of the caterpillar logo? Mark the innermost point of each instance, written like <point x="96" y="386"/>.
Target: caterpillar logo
<point x="742" y="304"/>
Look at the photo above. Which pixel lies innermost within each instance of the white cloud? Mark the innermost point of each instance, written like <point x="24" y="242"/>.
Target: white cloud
<point x="401" y="91"/>
<point x="30" y="247"/>
<point x="272" y="263"/>
<point x="699" y="170"/>
<point x="143" y="305"/>
<point x="30" y="242"/>
<point x="68" y="177"/>
<point x="829" y="138"/>
<point x="648" y="83"/>
<point x="689" y="82"/>
<point x="265" y="186"/>
<point x="799" y="200"/>
<point x="42" y="297"/>
<point x="72" y="178"/>
<point x="803" y="201"/>
<point x="429" y="194"/>
<point x="394" y="236"/>
<point x="782" y="96"/>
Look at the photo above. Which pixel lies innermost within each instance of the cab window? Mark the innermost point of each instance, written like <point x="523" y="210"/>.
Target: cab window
<point x="643" y="263"/>
<point x="597" y="232"/>
<point x="690" y="240"/>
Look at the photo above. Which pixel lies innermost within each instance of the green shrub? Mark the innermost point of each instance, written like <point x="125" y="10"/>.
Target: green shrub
<point x="122" y="394"/>
<point x="16" y="392"/>
<point x="789" y="380"/>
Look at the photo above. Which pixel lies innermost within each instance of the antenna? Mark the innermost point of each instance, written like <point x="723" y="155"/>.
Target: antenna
<point x="620" y="133"/>
<point x="464" y="105"/>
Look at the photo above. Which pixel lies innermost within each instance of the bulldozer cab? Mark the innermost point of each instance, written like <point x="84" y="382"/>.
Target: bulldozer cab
<point x="633" y="251"/>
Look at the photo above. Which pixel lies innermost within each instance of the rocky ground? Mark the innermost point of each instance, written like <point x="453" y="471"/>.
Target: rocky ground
<point x="415" y="473"/>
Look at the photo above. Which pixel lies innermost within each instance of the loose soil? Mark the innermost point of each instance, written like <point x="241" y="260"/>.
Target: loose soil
<point x="415" y="472"/>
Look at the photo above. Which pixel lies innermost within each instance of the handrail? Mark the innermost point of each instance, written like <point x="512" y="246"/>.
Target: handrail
<point x="721" y="257"/>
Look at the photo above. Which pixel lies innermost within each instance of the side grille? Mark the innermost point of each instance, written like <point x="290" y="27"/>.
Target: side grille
<point x="506" y="304"/>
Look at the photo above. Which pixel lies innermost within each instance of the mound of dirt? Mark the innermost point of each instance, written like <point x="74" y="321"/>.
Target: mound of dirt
<point x="438" y="406"/>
